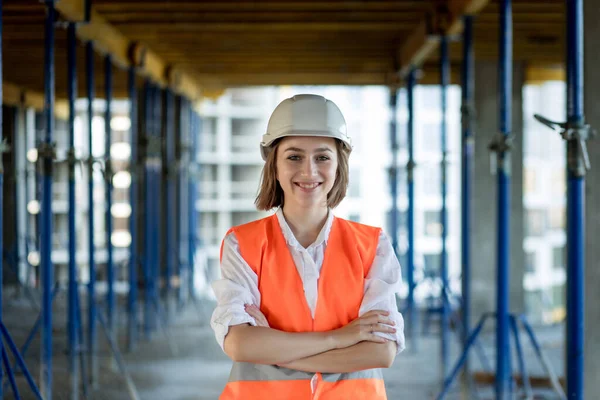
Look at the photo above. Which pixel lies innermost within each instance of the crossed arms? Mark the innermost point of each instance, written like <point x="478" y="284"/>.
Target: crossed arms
<point x="351" y="348"/>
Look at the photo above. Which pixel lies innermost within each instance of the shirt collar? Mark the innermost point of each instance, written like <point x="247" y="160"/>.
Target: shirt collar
<point x="289" y="235"/>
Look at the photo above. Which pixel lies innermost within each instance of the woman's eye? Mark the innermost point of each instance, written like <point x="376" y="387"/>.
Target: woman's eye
<point x="294" y="158"/>
<point x="322" y="158"/>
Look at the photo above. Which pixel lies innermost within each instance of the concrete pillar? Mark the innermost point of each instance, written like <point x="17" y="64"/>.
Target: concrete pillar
<point x="485" y="194"/>
<point x="592" y="196"/>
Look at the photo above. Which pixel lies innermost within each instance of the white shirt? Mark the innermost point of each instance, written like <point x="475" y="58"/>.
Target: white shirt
<point x="239" y="283"/>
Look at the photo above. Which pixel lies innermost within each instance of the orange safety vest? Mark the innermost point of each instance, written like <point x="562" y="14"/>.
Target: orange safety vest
<point x="348" y="257"/>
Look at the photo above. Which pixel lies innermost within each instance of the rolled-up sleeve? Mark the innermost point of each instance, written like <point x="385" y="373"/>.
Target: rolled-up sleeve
<point x="238" y="286"/>
<point x="381" y="285"/>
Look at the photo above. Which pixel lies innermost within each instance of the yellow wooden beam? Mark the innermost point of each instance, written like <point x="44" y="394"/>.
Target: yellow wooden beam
<point x="14" y="95"/>
<point x="225" y="80"/>
<point x="108" y="39"/>
<point x="424" y="39"/>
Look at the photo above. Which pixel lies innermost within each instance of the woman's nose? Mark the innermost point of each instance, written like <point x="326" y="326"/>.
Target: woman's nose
<point x="308" y="167"/>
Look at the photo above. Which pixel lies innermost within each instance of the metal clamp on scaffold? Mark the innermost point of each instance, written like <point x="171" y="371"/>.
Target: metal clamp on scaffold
<point x="410" y="168"/>
<point x="500" y="152"/>
<point x="91" y="161"/>
<point x="46" y="156"/>
<point x="72" y="160"/>
<point x="576" y="134"/>
<point x="467" y="116"/>
<point x="108" y="171"/>
<point x="4" y="148"/>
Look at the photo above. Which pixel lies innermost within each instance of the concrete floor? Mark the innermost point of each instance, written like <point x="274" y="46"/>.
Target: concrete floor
<point x="196" y="368"/>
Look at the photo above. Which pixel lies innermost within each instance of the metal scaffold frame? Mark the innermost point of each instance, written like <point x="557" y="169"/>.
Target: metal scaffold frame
<point x="506" y="323"/>
<point x="576" y="132"/>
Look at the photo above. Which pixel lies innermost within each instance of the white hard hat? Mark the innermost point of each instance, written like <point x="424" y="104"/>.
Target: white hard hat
<point x="305" y="115"/>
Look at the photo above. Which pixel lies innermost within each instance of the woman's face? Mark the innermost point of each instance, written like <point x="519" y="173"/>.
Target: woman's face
<point x="306" y="169"/>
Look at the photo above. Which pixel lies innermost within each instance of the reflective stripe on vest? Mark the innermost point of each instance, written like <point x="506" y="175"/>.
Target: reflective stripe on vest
<point x="348" y="257"/>
<point x="242" y="371"/>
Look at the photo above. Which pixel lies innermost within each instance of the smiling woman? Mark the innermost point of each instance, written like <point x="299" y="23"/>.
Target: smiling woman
<point x="306" y="305"/>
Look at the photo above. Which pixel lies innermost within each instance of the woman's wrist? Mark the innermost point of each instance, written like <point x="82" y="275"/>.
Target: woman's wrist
<point x="331" y="339"/>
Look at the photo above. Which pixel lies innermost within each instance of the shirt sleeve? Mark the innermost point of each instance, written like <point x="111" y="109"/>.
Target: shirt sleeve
<point x="238" y="286"/>
<point x="381" y="285"/>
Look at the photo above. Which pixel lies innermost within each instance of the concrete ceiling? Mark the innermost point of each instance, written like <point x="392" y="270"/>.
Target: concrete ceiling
<point x="201" y="46"/>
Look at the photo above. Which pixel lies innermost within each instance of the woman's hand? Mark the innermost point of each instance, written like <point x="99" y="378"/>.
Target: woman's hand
<point x="258" y="316"/>
<point x="363" y="329"/>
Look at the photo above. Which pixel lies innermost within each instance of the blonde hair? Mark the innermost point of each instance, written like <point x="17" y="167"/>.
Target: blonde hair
<point x="270" y="193"/>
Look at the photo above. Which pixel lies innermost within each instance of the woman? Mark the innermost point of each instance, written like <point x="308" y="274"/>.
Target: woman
<point x="306" y="305"/>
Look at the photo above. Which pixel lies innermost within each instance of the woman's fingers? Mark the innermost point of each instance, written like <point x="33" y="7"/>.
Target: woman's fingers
<point x="375" y="312"/>
<point x="376" y="327"/>
<point x="382" y="328"/>
<point x="255" y="313"/>
<point x="377" y="319"/>
<point x="377" y="339"/>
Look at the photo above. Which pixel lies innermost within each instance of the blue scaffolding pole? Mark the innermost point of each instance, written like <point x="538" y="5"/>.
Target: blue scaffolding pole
<point x="147" y="261"/>
<point x="156" y="189"/>
<point x="194" y="176"/>
<point x="468" y="146"/>
<point x="74" y="326"/>
<point x="169" y="207"/>
<point x="108" y="175"/>
<point x="503" y="378"/>
<point x="577" y="158"/>
<point x="47" y="156"/>
<point x="180" y="255"/>
<point x="133" y="218"/>
<point x="410" y="253"/>
<point x="394" y="169"/>
<point x="445" y="314"/>
<point x="92" y="337"/>
<point x="153" y="313"/>
<point x="575" y="131"/>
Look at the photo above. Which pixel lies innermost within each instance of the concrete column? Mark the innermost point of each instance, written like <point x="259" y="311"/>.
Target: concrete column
<point x="485" y="194"/>
<point x="592" y="204"/>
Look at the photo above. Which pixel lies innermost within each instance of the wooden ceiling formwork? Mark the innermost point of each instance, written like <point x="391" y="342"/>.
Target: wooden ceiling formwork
<point x="217" y="44"/>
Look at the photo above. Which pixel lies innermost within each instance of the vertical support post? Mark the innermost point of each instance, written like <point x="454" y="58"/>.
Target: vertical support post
<point x="1" y="198"/>
<point x="156" y="188"/>
<point x="108" y="174"/>
<point x="575" y="203"/>
<point x="47" y="269"/>
<point x="468" y="146"/>
<point x="169" y="215"/>
<point x="147" y="262"/>
<point x="177" y="197"/>
<point x="503" y="378"/>
<point x="18" y="196"/>
<point x="445" y="316"/>
<point x="394" y="169"/>
<point x="410" y="166"/>
<point x="181" y="256"/>
<point x="193" y="216"/>
<point x="133" y="218"/>
<point x="92" y="338"/>
<point x="72" y="293"/>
